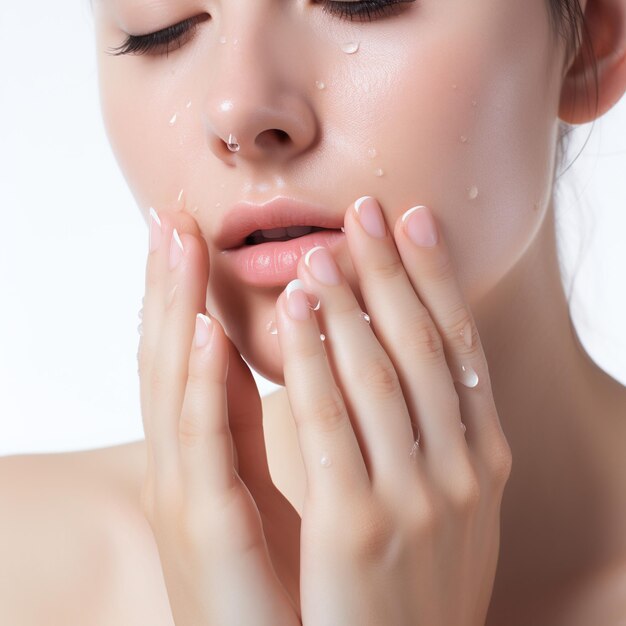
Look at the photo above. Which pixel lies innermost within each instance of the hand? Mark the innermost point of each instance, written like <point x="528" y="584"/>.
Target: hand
<point x="197" y="496"/>
<point x="392" y="533"/>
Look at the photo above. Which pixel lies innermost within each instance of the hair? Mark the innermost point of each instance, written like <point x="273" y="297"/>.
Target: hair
<point x="569" y="24"/>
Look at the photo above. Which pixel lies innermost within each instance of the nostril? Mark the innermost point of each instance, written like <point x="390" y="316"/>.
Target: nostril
<point x="272" y="137"/>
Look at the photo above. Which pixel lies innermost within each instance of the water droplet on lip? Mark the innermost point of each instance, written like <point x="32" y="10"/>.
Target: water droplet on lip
<point x="350" y="47"/>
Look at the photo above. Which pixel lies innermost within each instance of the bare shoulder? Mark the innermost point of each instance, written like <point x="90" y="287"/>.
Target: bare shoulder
<point x="75" y="546"/>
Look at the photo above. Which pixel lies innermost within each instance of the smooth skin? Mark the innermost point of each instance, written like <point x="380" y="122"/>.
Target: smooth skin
<point x="387" y="536"/>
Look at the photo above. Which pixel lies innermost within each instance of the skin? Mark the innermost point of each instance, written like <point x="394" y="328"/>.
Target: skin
<point x="563" y="511"/>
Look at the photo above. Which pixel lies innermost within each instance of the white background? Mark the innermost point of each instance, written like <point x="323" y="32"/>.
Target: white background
<point x="73" y="251"/>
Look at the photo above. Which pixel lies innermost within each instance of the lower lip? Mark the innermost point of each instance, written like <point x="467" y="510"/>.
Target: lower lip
<point x="274" y="264"/>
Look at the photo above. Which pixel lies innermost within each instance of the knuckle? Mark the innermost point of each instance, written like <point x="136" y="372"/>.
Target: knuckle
<point x="457" y="324"/>
<point x="424" y="339"/>
<point x="328" y="412"/>
<point x="465" y="494"/>
<point x="190" y="430"/>
<point x="389" y="269"/>
<point x="501" y="463"/>
<point x="379" y="376"/>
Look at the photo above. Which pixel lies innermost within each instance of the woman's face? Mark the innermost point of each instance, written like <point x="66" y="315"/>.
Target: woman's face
<point x="452" y="97"/>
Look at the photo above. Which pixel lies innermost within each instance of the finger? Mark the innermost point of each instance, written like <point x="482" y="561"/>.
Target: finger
<point x="365" y="373"/>
<point x="332" y="458"/>
<point x="406" y="330"/>
<point x="184" y="293"/>
<point x="206" y="449"/>
<point x="431" y="272"/>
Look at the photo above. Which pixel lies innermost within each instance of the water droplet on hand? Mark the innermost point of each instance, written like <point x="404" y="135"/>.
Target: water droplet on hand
<point x="173" y="119"/>
<point x="473" y="193"/>
<point x="271" y="328"/>
<point x="364" y="316"/>
<point x="469" y="377"/>
<point x="379" y="172"/>
<point x="325" y="461"/>
<point x="372" y="152"/>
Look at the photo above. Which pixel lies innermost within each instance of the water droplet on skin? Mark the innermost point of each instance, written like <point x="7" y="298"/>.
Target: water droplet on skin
<point x="473" y="193"/>
<point x="325" y="461"/>
<point x="466" y="333"/>
<point x="235" y="42"/>
<point x="173" y="119"/>
<point x="270" y="327"/>
<point x="463" y="139"/>
<point x="188" y="104"/>
<point x="319" y="84"/>
<point x="469" y="377"/>
<point x="343" y="230"/>
<point x="233" y="146"/>
<point x="323" y="337"/>
<point x="372" y="152"/>
<point x="222" y="39"/>
<point x="218" y="205"/>
<point x="350" y="47"/>
<point x="364" y="316"/>
<point x="195" y="209"/>
<point x="180" y="200"/>
<point x="463" y="427"/>
<point x="379" y="172"/>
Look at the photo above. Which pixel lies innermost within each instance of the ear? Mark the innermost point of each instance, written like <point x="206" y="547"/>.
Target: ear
<point x="606" y="26"/>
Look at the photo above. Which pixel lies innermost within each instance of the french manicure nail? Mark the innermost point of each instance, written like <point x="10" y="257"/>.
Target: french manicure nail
<point x="370" y="216"/>
<point x="420" y="226"/>
<point x="322" y="265"/>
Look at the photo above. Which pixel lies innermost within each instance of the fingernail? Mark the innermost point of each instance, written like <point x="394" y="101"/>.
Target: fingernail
<point x="370" y="216"/>
<point x="420" y="226"/>
<point x="322" y="265"/>
<point x="176" y="250"/>
<point x="297" y="301"/>
<point x="155" y="230"/>
<point x="204" y="330"/>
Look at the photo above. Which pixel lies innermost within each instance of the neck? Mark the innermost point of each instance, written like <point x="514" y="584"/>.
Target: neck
<point x="560" y="414"/>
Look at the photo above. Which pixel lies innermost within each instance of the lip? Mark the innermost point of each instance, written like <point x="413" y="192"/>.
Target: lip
<point x="273" y="263"/>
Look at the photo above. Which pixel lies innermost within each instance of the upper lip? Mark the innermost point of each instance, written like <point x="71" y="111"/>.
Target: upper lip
<point x="245" y="217"/>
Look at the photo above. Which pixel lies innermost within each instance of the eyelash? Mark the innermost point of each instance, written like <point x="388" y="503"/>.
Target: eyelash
<point x="142" y="44"/>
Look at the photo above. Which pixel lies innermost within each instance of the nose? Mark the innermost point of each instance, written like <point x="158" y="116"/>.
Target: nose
<point x="258" y="97"/>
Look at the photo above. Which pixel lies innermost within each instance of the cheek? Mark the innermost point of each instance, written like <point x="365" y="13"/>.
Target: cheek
<point x="468" y="126"/>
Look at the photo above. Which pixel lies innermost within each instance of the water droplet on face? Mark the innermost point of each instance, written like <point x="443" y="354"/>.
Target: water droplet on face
<point x="379" y="172"/>
<point x="372" y="152"/>
<point x="173" y="119"/>
<point x="469" y="377"/>
<point x="463" y="139"/>
<point x="350" y="47"/>
<point x="222" y="39"/>
<point x="473" y="193"/>
<point x="325" y="461"/>
<point x="364" y="316"/>
<point x="271" y="328"/>
<point x="323" y="337"/>
<point x="319" y="84"/>
<point x="233" y="146"/>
